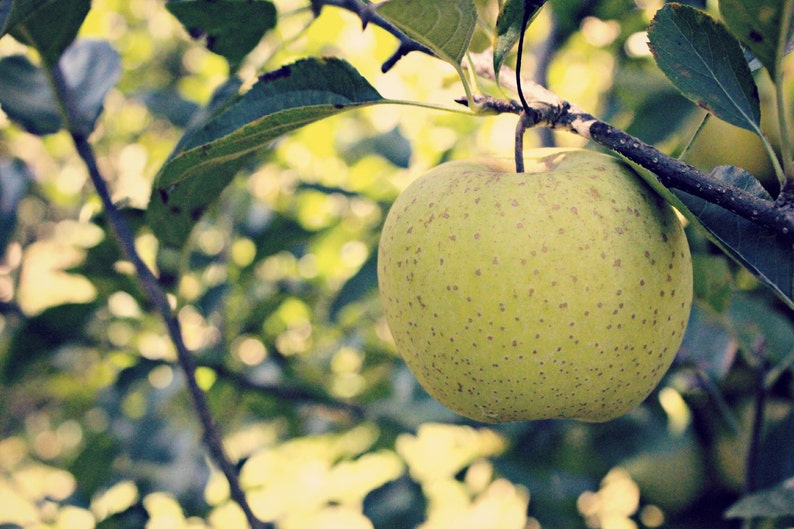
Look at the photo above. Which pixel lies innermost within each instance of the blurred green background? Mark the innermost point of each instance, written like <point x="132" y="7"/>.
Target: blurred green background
<point x="277" y="297"/>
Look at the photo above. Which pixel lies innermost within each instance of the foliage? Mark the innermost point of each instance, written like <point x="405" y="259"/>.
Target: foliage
<point x="252" y="150"/>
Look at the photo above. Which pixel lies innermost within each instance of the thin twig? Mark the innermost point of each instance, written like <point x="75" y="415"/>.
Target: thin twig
<point x="156" y="295"/>
<point x="368" y="15"/>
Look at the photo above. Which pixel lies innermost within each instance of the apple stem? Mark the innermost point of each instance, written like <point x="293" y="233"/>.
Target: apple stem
<point x="525" y="121"/>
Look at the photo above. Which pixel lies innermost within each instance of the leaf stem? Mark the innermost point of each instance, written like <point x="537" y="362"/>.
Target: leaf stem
<point x="782" y="114"/>
<point x="701" y="126"/>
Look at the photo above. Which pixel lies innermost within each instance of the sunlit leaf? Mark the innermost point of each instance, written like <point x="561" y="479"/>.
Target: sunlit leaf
<point x="444" y="26"/>
<point x="231" y="28"/>
<point x="281" y="101"/>
<point x="758" y="25"/>
<point x="51" y="28"/>
<point x="771" y="502"/>
<point x="706" y="63"/>
<point x="514" y="16"/>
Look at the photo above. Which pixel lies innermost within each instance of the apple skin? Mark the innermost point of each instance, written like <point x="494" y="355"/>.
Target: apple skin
<point x="561" y="292"/>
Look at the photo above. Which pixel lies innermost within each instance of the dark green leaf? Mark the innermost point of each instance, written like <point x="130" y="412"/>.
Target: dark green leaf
<point x="755" y="322"/>
<point x="52" y="28"/>
<point x="361" y="284"/>
<point x="444" y="26"/>
<point x="13" y="12"/>
<point x="280" y="102"/>
<point x="707" y="344"/>
<point x="758" y="25"/>
<point x="90" y="69"/>
<point x="170" y="105"/>
<point x="706" y="63"/>
<point x="775" y="460"/>
<point x="15" y="179"/>
<point x="231" y="28"/>
<point x="514" y="16"/>
<point x="26" y="96"/>
<point x="43" y="334"/>
<point x="768" y="256"/>
<point x="767" y="503"/>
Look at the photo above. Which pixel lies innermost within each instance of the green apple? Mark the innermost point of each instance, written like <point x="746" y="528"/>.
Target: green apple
<point x="561" y="292"/>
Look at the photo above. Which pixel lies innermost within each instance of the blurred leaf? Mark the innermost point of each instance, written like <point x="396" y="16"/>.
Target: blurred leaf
<point x="170" y="105"/>
<point x="513" y="18"/>
<point x="707" y="344"/>
<point x="775" y="459"/>
<point x="281" y="233"/>
<point x="757" y="324"/>
<point x="771" y="502"/>
<point x="713" y="280"/>
<point x="26" y="96"/>
<point x="444" y="26"/>
<point x="361" y="284"/>
<point x="51" y="28"/>
<point x="280" y="102"/>
<point x="134" y="517"/>
<point x="15" y="179"/>
<point x="41" y="336"/>
<point x="93" y="467"/>
<point x="90" y="69"/>
<point x="396" y="505"/>
<point x="392" y="146"/>
<point x="232" y="28"/>
<point x="706" y="63"/>
<point x="758" y="24"/>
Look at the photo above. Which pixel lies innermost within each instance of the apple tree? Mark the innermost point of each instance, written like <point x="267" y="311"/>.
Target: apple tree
<point x="192" y="196"/>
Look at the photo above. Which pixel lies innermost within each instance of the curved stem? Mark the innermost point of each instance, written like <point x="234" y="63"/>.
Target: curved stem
<point x="782" y="114"/>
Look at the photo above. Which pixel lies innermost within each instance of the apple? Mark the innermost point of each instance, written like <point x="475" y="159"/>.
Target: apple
<point x="560" y="292"/>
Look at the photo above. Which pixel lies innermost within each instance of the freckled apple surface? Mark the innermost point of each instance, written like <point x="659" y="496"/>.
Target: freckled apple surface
<point x="561" y="292"/>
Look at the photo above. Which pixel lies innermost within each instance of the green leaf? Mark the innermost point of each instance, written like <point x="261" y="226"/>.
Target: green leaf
<point x="513" y="18"/>
<point x="15" y="180"/>
<point x="768" y="256"/>
<point x="772" y="502"/>
<point x="90" y="69"/>
<point x="706" y="63"/>
<point x="51" y="28"/>
<point x="26" y="96"/>
<point x="444" y="26"/>
<point x="232" y="28"/>
<point x="42" y="335"/>
<point x="13" y="12"/>
<point x="758" y="25"/>
<point x="281" y="101"/>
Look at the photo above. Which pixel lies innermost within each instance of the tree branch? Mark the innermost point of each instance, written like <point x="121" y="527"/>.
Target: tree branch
<point x="550" y="110"/>
<point x="368" y="15"/>
<point x="157" y="296"/>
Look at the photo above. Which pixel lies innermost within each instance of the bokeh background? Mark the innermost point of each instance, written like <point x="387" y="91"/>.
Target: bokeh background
<point x="277" y="296"/>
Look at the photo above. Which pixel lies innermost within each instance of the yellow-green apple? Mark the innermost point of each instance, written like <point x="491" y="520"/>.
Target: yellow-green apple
<point x="560" y="292"/>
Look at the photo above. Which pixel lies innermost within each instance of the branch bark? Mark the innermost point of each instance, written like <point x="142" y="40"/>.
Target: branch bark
<point x="548" y="109"/>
